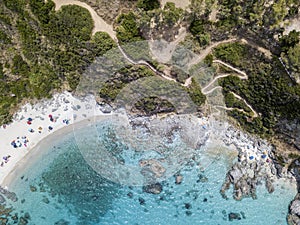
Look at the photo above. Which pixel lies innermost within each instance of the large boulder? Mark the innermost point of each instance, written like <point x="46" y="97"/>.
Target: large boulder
<point x="295" y="207"/>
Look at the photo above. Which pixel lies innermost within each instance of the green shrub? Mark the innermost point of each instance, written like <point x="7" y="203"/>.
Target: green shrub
<point x="148" y="4"/>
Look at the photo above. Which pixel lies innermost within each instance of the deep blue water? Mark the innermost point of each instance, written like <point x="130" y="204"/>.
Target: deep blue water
<point x="61" y="186"/>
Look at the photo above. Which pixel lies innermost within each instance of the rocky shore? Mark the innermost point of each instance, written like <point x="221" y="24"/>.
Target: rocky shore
<point x="260" y="162"/>
<point x="254" y="166"/>
<point x="294" y="208"/>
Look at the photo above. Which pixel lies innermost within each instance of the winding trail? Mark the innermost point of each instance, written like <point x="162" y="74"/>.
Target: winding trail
<point x="143" y="62"/>
<point x="243" y="76"/>
<point x="101" y="25"/>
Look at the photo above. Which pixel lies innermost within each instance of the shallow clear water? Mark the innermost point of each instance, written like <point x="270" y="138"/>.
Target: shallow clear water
<point x="61" y="186"/>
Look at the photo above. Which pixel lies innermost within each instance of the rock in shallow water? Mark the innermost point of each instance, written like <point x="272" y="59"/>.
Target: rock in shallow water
<point x="2" y="199"/>
<point x="153" y="188"/>
<point x="234" y="216"/>
<point x="178" y="179"/>
<point x="62" y="222"/>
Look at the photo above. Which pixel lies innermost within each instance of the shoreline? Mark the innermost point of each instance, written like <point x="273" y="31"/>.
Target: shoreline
<point x="46" y="143"/>
<point x="62" y="107"/>
<point x="86" y="111"/>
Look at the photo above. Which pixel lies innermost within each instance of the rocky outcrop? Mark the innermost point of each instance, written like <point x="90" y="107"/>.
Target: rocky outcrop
<point x="294" y="211"/>
<point x="294" y="208"/>
<point x="254" y="165"/>
<point x="245" y="179"/>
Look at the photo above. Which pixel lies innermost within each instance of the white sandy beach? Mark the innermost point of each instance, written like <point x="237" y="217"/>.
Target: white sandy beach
<point x="62" y="107"/>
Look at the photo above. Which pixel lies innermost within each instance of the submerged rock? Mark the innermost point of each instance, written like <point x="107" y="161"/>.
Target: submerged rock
<point x="178" y="179"/>
<point x="188" y="213"/>
<point x="187" y="205"/>
<point x="130" y="194"/>
<point x="142" y="201"/>
<point x="2" y="199"/>
<point x="62" y="222"/>
<point x="153" y="188"/>
<point x="10" y="195"/>
<point x="33" y="188"/>
<point x="234" y="216"/>
<point x="269" y="186"/>
<point x="23" y="221"/>
<point x="46" y="200"/>
<point x="3" y="220"/>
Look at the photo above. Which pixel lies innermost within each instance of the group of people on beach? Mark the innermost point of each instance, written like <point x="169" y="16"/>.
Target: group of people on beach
<point x="23" y="141"/>
<point x="19" y="142"/>
<point x="5" y="158"/>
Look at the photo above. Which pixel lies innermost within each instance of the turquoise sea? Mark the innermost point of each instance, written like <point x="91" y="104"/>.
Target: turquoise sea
<point x="57" y="186"/>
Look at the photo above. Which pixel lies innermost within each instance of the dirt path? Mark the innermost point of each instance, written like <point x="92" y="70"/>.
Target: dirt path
<point x="178" y="3"/>
<point x="99" y="23"/>
<point x="230" y="109"/>
<point x="267" y="52"/>
<point x="250" y="107"/>
<point x="243" y="76"/>
<point x="208" y="50"/>
<point x="142" y="62"/>
<point x="232" y="68"/>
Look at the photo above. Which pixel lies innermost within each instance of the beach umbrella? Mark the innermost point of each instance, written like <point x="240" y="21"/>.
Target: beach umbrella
<point x="29" y="119"/>
<point x="50" y="116"/>
<point x="50" y="128"/>
<point x="40" y="128"/>
<point x="29" y="122"/>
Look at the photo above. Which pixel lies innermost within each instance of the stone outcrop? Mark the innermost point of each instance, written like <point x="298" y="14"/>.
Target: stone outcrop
<point x="248" y="172"/>
<point x="294" y="208"/>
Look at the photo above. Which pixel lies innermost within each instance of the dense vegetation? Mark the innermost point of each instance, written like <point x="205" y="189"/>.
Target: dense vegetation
<point x="127" y="30"/>
<point x="195" y="93"/>
<point x="153" y="105"/>
<point x="56" y="47"/>
<point x="269" y="89"/>
<point x="148" y="4"/>
<point x="112" y="87"/>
